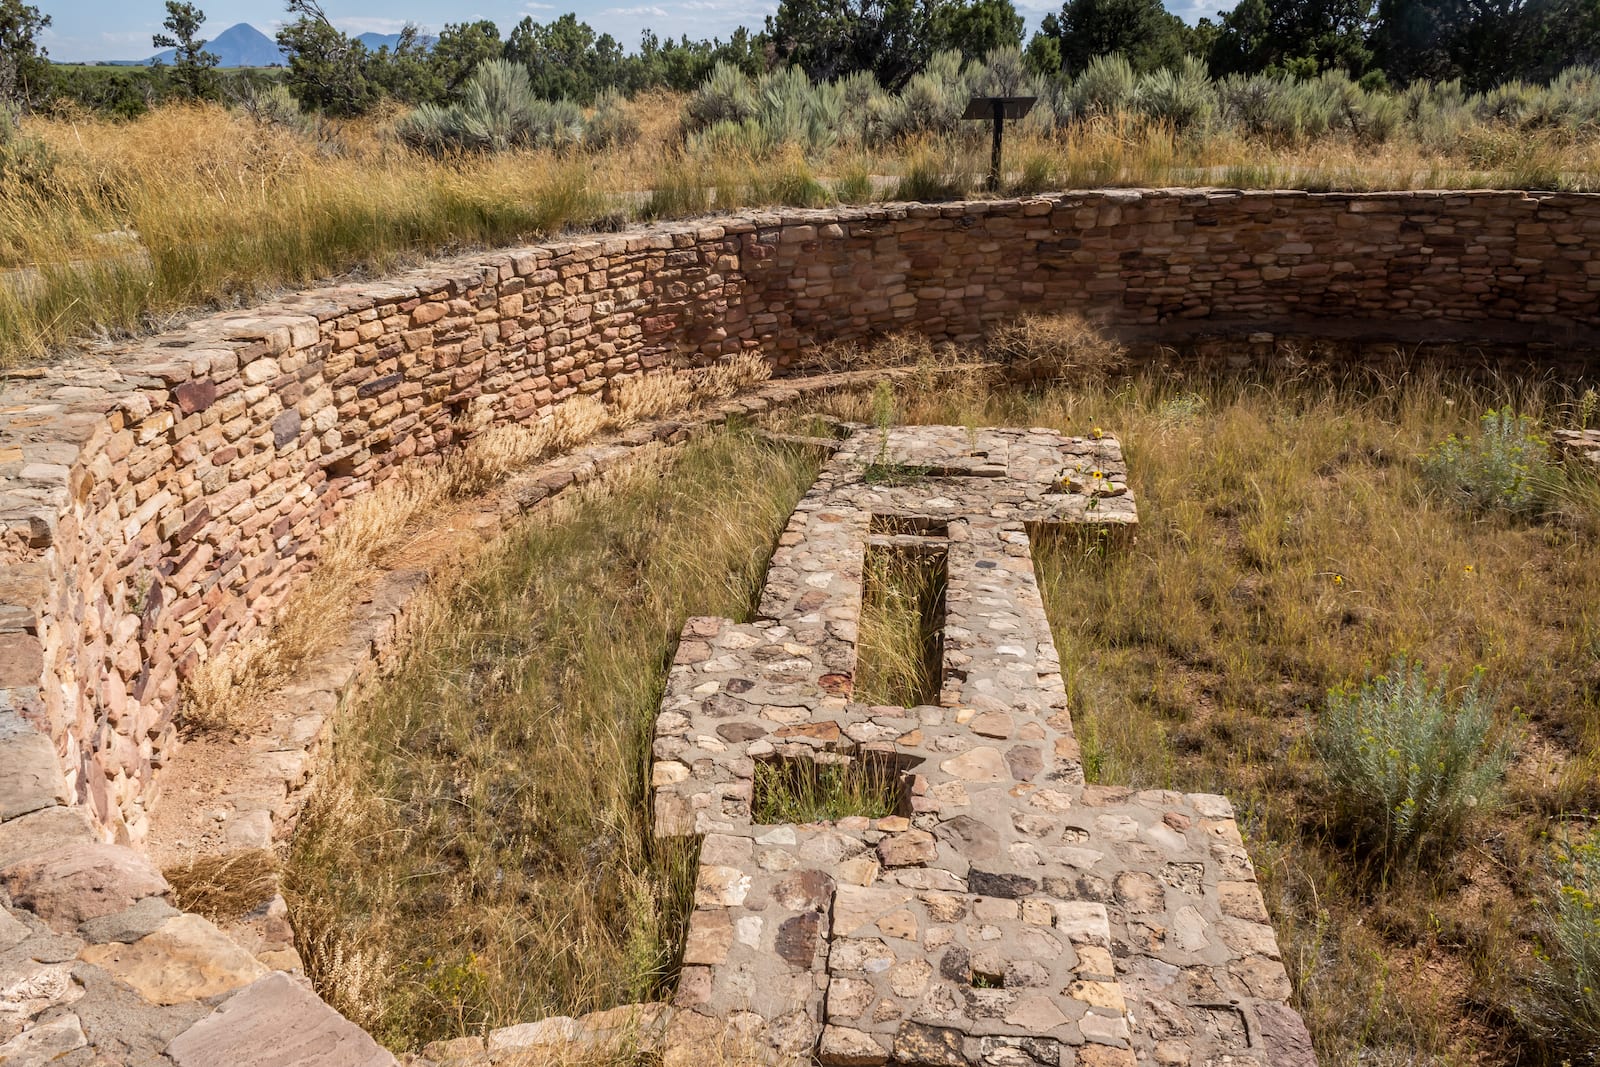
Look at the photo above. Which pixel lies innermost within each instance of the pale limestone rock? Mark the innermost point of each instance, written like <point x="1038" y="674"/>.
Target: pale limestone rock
<point x="184" y="959"/>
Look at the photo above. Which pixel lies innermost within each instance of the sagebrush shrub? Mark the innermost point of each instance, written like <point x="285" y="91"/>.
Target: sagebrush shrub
<point x="1506" y="468"/>
<point x="498" y="110"/>
<point x="1408" y="762"/>
<point x="1565" y="1003"/>
<point x="612" y="124"/>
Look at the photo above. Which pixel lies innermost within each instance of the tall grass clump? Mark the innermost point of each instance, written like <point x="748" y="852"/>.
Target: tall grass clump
<point x="1505" y="468"/>
<point x="479" y="852"/>
<point x="1564" y="1008"/>
<point x="898" y="649"/>
<point x="934" y="172"/>
<point x="808" y="790"/>
<point x="1409" y="763"/>
<point x="1036" y="347"/>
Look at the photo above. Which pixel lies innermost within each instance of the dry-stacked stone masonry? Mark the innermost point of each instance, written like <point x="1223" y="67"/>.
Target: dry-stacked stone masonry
<point x="157" y="500"/>
<point x="1009" y="915"/>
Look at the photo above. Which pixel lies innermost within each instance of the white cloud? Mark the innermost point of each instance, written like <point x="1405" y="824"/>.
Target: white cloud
<point x="531" y="6"/>
<point x="653" y="12"/>
<point x="361" y="25"/>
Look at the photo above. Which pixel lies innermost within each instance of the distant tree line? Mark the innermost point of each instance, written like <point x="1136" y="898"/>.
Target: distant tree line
<point x="1482" y="43"/>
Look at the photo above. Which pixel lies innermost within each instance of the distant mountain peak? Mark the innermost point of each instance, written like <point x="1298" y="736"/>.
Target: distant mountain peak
<point x="240" y="45"/>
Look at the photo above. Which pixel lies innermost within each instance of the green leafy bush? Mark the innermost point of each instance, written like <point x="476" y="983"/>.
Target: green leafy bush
<point x="1506" y="468"/>
<point x="1409" y="764"/>
<point x="1565" y="1004"/>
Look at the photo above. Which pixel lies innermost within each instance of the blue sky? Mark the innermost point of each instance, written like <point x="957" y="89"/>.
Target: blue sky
<point x="86" y="30"/>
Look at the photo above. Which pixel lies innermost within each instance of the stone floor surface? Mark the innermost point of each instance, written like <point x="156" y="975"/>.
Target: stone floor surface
<point x="1008" y="914"/>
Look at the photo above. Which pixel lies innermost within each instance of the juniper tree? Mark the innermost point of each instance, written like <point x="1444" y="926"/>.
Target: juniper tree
<point x="194" y="71"/>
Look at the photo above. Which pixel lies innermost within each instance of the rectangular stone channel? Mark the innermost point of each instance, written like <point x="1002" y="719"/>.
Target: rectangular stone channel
<point x="900" y="645"/>
<point x="1006" y="914"/>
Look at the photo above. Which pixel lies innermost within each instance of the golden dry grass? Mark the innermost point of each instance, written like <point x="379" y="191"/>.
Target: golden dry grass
<point x="225" y="888"/>
<point x="648" y="396"/>
<point x="479" y="853"/>
<point x="899" y="650"/>
<point x="197" y="206"/>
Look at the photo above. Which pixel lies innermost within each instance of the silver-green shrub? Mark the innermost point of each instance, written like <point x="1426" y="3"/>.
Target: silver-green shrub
<point x="725" y="96"/>
<point x="1185" y="98"/>
<point x="498" y="110"/>
<point x="1408" y="762"/>
<point x="931" y="102"/>
<point x="1505" y="468"/>
<point x="1564" y="1008"/>
<point x="612" y="123"/>
<point x="1106" y="86"/>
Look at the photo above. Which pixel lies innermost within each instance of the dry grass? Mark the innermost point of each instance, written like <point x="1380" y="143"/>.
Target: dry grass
<point x="1288" y="544"/>
<point x="225" y="888"/>
<point x="899" y="651"/>
<point x="803" y="790"/>
<point x="223" y="692"/>
<point x="480" y="852"/>
<point x="634" y="400"/>
<point x="197" y="206"/>
<point x="727" y="378"/>
<point x="1054" y="347"/>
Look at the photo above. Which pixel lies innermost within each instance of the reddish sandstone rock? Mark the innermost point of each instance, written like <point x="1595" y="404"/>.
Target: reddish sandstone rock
<point x="274" y="1022"/>
<point x="68" y="885"/>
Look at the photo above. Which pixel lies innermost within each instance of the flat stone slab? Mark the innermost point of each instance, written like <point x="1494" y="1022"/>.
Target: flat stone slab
<point x="275" y="1022"/>
<point x="1008" y="914"/>
<point x="43" y="831"/>
<point x="77" y="882"/>
<point x="30" y="775"/>
<point x="185" y="958"/>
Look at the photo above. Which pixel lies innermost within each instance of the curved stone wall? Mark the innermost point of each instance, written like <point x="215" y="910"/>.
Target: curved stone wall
<point x="156" y="504"/>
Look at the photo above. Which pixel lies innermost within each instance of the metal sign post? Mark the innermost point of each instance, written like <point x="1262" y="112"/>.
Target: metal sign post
<point x="998" y="109"/>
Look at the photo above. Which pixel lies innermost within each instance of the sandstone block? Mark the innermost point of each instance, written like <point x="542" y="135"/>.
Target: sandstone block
<point x="186" y="958"/>
<point x="73" y="883"/>
<point x="274" y="1022"/>
<point x="30" y="776"/>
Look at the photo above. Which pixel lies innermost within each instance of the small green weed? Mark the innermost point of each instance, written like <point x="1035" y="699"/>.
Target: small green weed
<point x="1565" y="1003"/>
<point x="853" y="185"/>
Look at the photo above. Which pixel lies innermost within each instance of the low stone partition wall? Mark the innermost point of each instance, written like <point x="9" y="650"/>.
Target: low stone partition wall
<point x="157" y="502"/>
